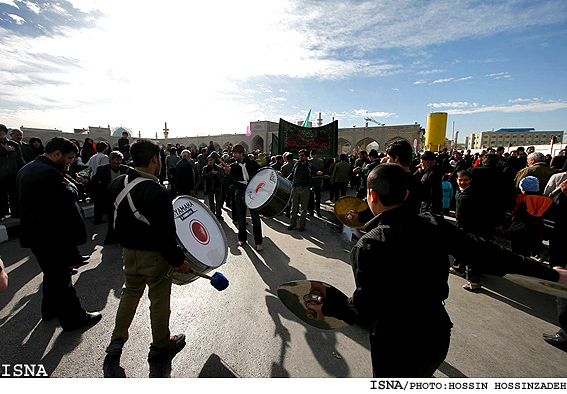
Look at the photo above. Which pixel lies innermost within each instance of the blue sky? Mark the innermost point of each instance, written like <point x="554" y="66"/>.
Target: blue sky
<point x="212" y="67"/>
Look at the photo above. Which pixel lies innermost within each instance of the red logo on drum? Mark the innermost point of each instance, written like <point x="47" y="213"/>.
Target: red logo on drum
<point x="260" y="185"/>
<point x="199" y="232"/>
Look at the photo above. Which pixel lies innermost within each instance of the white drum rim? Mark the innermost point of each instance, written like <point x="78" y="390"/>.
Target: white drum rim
<point x="188" y="254"/>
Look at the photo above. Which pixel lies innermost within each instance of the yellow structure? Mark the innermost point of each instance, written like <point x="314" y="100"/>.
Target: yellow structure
<point x="435" y="131"/>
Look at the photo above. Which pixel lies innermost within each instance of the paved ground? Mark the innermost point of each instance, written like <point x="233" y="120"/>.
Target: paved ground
<point x="245" y="331"/>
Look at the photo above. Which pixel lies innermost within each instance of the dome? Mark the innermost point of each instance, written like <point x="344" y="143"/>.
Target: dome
<point x="118" y="132"/>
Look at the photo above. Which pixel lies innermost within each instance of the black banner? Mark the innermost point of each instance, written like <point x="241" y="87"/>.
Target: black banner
<point x="324" y="139"/>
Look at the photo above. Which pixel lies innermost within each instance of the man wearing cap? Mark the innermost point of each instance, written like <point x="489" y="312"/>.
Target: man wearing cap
<point x="213" y="176"/>
<point x="431" y="179"/>
<point x="239" y="173"/>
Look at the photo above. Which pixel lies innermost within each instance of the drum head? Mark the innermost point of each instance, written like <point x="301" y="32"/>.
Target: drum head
<point x="199" y="232"/>
<point x="261" y="188"/>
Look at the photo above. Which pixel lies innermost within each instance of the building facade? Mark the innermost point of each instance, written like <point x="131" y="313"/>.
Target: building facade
<point x="511" y="137"/>
<point x="262" y="133"/>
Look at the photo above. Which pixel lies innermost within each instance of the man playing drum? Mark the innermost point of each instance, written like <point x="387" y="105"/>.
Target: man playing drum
<point x="239" y="174"/>
<point x="145" y="228"/>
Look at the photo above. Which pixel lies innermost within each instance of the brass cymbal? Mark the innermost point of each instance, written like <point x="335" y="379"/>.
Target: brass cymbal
<point x="294" y="295"/>
<point x="347" y="203"/>
<point x="541" y="285"/>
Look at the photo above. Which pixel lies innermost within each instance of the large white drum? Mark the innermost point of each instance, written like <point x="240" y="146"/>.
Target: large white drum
<point x="200" y="235"/>
<point x="268" y="192"/>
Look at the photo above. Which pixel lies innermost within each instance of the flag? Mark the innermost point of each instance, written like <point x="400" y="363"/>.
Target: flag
<point x="306" y="123"/>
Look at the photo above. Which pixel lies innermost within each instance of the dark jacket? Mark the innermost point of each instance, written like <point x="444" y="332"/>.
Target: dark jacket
<point x="212" y="182"/>
<point x="469" y="212"/>
<point x="50" y="213"/>
<point x="153" y="201"/>
<point x="185" y="179"/>
<point x="236" y="174"/>
<point x="432" y="191"/>
<point x="10" y="161"/>
<point x="101" y="179"/>
<point x="301" y="174"/>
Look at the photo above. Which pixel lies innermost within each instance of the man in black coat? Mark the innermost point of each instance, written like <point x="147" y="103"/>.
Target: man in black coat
<point x="11" y="161"/>
<point x="431" y="179"/>
<point x="239" y="174"/>
<point x="185" y="181"/>
<point x="52" y="225"/>
<point x="99" y="188"/>
<point x="390" y="309"/>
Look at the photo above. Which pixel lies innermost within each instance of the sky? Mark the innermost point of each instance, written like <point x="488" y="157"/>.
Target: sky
<point x="211" y="67"/>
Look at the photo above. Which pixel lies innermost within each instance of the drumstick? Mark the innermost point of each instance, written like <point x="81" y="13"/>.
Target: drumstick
<point x="191" y="270"/>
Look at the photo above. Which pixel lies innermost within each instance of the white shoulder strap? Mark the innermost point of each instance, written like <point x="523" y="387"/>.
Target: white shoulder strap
<point x="126" y="193"/>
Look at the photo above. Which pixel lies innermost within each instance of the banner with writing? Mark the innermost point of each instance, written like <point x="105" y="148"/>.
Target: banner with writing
<point x="323" y="139"/>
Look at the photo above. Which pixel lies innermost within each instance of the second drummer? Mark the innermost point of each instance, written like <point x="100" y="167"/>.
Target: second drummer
<point x="239" y="174"/>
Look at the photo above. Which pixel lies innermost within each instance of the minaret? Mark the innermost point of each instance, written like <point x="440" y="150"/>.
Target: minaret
<point x="165" y="131"/>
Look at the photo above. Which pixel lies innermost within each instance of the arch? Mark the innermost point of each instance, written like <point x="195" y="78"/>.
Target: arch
<point x="217" y="146"/>
<point x="363" y="143"/>
<point x="344" y="146"/>
<point x="258" y="143"/>
<point x="226" y="145"/>
<point x="203" y="145"/>
<point x="192" y="146"/>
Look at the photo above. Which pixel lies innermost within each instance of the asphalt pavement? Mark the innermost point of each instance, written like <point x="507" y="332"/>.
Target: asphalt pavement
<point x="245" y="331"/>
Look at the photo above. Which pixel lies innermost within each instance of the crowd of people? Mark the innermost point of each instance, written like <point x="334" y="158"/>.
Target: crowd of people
<point x="520" y="195"/>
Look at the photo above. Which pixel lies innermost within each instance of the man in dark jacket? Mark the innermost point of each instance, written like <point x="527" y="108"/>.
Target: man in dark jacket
<point x="240" y="172"/>
<point x="52" y="225"/>
<point x="145" y="228"/>
<point x="300" y="177"/>
<point x="390" y="309"/>
<point x="11" y="160"/>
<point x="213" y="176"/>
<point x="431" y="179"/>
<point x="98" y="186"/>
<point x="185" y="180"/>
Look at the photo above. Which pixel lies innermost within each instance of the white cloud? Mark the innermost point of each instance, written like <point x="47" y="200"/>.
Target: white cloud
<point x="456" y="104"/>
<point x="499" y="75"/>
<point x="443" y="80"/>
<point x="420" y="81"/>
<point x="18" y="19"/>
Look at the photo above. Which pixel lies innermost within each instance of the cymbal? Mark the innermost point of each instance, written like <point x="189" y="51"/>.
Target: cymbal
<point x="347" y="203"/>
<point x="541" y="285"/>
<point x="295" y="294"/>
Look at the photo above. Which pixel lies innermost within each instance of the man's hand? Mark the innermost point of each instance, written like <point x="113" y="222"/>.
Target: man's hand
<point x="184" y="268"/>
<point x="352" y="216"/>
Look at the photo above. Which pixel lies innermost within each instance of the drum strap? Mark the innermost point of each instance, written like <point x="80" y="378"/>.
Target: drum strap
<point x="126" y="193"/>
